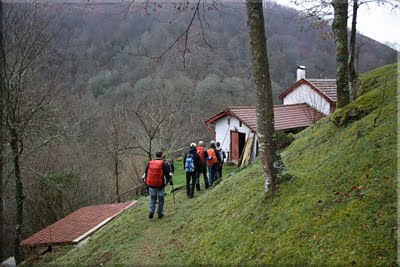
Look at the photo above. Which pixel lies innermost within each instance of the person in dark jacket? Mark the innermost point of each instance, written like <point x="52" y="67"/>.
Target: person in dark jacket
<point x="203" y="157"/>
<point x="213" y="163"/>
<point x="223" y="157"/>
<point x="156" y="177"/>
<point x="192" y="165"/>
<point x="170" y="163"/>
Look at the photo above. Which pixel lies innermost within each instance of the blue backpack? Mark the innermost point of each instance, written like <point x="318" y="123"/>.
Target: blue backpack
<point x="189" y="163"/>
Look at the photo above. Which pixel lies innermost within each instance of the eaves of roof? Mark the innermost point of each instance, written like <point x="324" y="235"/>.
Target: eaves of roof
<point x="304" y="81"/>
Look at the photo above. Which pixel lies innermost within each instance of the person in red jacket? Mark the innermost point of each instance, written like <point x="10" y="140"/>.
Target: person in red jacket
<point x="156" y="176"/>
<point x="203" y="156"/>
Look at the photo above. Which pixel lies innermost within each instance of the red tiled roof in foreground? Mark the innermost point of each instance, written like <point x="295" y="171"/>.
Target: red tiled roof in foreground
<point x="286" y="116"/>
<point x="76" y="226"/>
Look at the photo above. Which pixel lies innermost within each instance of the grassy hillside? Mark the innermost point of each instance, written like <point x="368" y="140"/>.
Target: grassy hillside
<point x="339" y="209"/>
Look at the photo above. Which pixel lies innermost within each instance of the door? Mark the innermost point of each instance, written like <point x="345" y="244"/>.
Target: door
<point x="234" y="147"/>
<point x="242" y="143"/>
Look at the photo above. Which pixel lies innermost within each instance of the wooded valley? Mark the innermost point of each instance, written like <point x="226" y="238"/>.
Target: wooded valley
<point x="99" y="88"/>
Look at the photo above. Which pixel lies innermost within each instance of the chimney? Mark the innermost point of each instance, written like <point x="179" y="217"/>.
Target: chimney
<point x="301" y="72"/>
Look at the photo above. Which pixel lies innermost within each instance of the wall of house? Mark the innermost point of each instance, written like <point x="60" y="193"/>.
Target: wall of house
<point x="304" y="94"/>
<point x="223" y="130"/>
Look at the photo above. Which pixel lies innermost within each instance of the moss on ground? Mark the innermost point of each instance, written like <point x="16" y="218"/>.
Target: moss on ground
<point x="339" y="209"/>
<point x="376" y="87"/>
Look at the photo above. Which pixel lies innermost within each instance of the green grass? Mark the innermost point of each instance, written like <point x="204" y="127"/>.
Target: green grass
<point x="339" y="208"/>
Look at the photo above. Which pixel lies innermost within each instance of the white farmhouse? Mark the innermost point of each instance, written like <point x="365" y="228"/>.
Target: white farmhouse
<point x="305" y="102"/>
<point x="233" y="126"/>
<point x="320" y="94"/>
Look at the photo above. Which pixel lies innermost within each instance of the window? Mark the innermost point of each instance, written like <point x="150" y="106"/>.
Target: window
<point x="240" y="124"/>
<point x="229" y="121"/>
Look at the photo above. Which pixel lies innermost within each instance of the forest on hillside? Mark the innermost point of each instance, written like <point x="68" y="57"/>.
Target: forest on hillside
<point x="104" y="47"/>
<point x="98" y="101"/>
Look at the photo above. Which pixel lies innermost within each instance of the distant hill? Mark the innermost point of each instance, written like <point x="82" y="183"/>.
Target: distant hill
<point x="339" y="208"/>
<point x="105" y="47"/>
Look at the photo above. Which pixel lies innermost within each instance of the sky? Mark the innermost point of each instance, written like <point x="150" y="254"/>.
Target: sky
<point x="380" y="23"/>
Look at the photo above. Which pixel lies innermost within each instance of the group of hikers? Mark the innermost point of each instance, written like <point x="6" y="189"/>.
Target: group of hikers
<point x="197" y="161"/>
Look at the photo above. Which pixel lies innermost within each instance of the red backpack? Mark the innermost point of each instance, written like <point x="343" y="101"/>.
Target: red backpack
<point x="200" y="151"/>
<point x="211" y="154"/>
<point x="155" y="173"/>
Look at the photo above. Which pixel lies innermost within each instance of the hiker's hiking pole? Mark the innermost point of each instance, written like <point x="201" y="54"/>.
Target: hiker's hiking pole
<point x="172" y="185"/>
<point x="172" y="175"/>
<point x="173" y="192"/>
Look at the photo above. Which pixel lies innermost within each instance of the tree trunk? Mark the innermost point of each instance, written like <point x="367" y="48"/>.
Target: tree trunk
<point x="2" y="141"/>
<point x="2" y="133"/>
<point x="263" y="91"/>
<point x="117" y="176"/>
<point x="19" y="198"/>
<point x="339" y="27"/>
<point x="352" y="71"/>
<point x="1" y="188"/>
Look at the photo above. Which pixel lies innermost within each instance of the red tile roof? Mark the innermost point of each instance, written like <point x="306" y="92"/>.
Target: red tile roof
<point x="74" y="227"/>
<point x="326" y="86"/>
<point x="286" y="116"/>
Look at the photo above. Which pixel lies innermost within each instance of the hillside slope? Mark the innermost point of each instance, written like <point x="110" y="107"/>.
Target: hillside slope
<point x="339" y="209"/>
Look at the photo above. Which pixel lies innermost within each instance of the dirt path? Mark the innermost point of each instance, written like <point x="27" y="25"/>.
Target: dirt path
<point x="161" y="235"/>
<point x="145" y="253"/>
